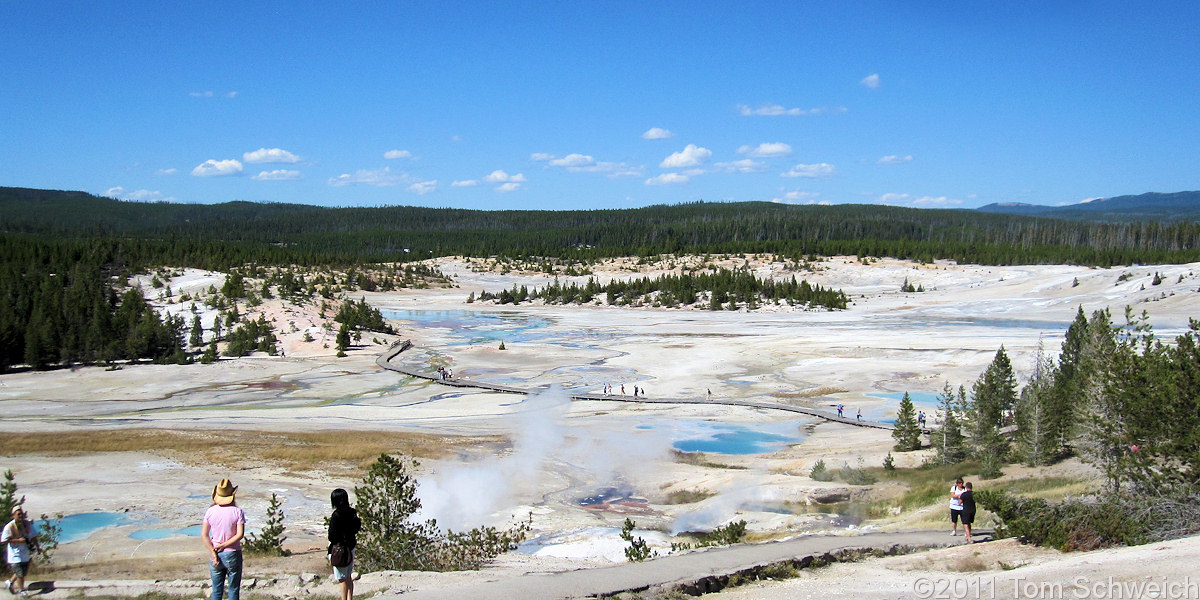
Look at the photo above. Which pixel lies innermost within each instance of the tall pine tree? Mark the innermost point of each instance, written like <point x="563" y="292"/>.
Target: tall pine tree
<point x="1036" y="438"/>
<point x="907" y="432"/>
<point x="994" y="395"/>
<point x="948" y="439"/>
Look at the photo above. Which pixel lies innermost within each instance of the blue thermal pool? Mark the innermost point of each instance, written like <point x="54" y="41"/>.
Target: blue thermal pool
<point x="730" y="438"/>
<point x="80" y="525"/>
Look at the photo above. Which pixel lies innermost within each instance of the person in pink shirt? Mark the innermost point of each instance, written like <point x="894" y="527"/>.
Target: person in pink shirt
<point x="223" y="527"/>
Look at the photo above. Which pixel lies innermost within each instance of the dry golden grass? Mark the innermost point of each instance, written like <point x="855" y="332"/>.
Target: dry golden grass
<point x="810" y="393"/>
<point x="351" y="451"/>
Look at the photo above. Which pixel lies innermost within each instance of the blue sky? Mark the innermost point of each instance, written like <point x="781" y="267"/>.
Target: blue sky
<point x="564" y="105"/>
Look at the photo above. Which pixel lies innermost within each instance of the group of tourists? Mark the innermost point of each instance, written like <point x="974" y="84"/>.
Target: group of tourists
<point x="841" y="410"/>
<point x="445" y="373"/>
<point x="962" y="507"/>
<point x="608" y="390"/>
<point x="224" y="526"/>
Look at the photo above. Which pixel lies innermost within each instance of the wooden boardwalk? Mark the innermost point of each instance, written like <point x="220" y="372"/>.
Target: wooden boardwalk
<point x="387" y="361"/>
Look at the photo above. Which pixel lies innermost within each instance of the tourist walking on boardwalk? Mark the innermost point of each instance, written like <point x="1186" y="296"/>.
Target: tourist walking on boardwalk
<point x="343" y="537"/>
<point x="921" y="419"/>
<point x="223" y="527"/>
<point x="967" y="497"/>
<point x="19" y="536"/>
<point x="956" y="504"/>
<point x="859" y="415"/>
<point x="841" y="407"/>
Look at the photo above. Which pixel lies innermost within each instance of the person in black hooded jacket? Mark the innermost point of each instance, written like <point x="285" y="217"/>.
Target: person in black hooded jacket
<point x="343" y="530"/>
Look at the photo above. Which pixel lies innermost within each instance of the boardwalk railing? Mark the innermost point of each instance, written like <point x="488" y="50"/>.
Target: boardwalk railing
<point x="387" y="358"/>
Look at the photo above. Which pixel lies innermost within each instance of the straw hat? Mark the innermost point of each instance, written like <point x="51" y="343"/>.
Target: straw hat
<point x="223" y="492"/>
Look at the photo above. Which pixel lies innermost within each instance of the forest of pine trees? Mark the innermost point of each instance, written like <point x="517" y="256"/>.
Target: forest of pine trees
<point x="725" y="288"/>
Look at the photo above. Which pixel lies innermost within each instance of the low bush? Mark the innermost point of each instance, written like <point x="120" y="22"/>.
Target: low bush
<point x="1077" y="524"/>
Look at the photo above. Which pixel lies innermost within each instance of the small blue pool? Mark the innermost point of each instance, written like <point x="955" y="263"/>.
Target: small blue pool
<point x="730" y="438"/>
<point x="80" y="525"/>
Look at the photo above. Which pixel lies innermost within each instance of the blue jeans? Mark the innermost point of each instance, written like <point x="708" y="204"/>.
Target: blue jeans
<point x="227" y="573"/>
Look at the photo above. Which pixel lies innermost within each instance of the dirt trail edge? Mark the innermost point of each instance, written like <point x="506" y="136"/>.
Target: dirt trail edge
<point x="692" y="568"/>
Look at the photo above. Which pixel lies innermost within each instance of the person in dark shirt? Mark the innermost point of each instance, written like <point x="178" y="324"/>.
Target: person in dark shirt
<point x="343" y="530"/>
<point x="968" y="509"/>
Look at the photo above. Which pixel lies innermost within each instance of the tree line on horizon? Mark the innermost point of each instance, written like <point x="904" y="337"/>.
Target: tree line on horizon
<point x="221" y="234"/>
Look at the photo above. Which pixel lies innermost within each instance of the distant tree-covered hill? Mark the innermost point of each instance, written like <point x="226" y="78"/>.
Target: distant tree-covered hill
<point x="1178" y="206"/>
<point x="234" y="233"/>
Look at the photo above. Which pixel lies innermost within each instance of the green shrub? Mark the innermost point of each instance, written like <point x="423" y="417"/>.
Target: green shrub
<point x="391" y="541"/>
<point x="269" y="542"/>
<point x="1081" y="524"/>
<point x="819" y="472"/>
<point x="638" y="549"/>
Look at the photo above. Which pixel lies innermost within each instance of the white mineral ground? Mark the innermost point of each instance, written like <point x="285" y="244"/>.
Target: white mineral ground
<point x="886" y="342"/>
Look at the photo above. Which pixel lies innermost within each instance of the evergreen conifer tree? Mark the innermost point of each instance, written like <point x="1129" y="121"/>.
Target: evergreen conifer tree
<point x="948" y="439"/>
<point x="907" y="432"/>
<point x="196" y="339"/>
<point x="1036" y="439"/>
<point x="994" y="395"/>
<point x="1066" y="393"/>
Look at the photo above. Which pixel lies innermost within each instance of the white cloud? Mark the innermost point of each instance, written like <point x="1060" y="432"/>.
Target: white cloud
<point x="270" y="155"/>
<point x="231" y="95"/>
<point x="465" y="183"/>
<point x="797" y="197"/>
<point x="393" y="154"/>
<point x="667" y="178"/>
<point x="499" y="176"/>
<point x="379" y="178"/>
<point x="778" y="110"/>
<point x="207" y="94"/>
<point x="923" y="201"/>
<point x="746" y="165"/>
<point x="935" y="201"/>
<point x="584" y="163"/>
<point x="423" y="187"/>
<point x="690" y="156"/>
<point x="573" y="160"/>
<point x="277" y="175"/>
<point x="767" y="150"/>
<point x="170" y="171"/>
<point x="810" y="171"/>
<point x="894" y="159"/>
<point x="121" y="193"/>
<point x="871" y="81"/>
<point x="216" y="168"/>
<point x="508" y="187"/>
<point x="657" y="133"/>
